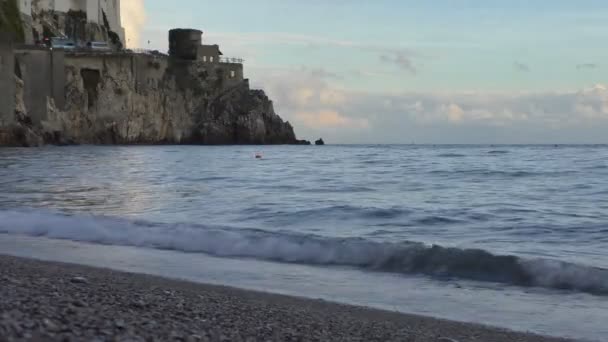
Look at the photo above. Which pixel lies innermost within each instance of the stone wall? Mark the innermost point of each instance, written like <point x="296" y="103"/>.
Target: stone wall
<point x="185" y="43"/>
<point x="43" y="74"/>
<point x="233" y="73"/>
<point x="209" y="53"/>
<point x="57" y="82"/>
<point x="110" y="98"/>
<point x="123" y="98"/>
<point x="7" y="82"/>
<point x="35" y="70"/>
<point x="149" y="72"/>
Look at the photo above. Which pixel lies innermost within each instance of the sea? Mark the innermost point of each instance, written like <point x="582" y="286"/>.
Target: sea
<point x="508" y="236"/>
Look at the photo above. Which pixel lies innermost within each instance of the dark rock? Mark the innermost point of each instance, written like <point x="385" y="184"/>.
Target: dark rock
<point x="302" y="142"/>
<point x="120" y="324"/>
<point x="79" y="280"/>
<point x="79" y="304"/>
<point x="139" y="304"/>
<point x="320" y="142"/>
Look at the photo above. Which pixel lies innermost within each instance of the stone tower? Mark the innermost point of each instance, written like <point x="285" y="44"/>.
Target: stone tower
<point x="185" y="43"/>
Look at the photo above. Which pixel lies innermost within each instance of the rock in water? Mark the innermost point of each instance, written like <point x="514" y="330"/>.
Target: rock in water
<point x="320" y="142"/>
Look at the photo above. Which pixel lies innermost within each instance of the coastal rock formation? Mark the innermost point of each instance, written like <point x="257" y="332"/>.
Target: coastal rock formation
<point x="121" y="97"/>
<point x="107" y="103"/>
<point x="137" y="99"/>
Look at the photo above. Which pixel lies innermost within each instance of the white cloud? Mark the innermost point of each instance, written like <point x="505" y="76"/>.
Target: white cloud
<point x="455" y="113"/>
<point x="332" y="97"/>
<point x="314" y="106"/>
<point x="327" y="118"/>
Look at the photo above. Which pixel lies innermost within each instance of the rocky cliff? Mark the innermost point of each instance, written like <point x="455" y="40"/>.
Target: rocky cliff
<point x="120" y="97"/>
<point x="147" y="99"/>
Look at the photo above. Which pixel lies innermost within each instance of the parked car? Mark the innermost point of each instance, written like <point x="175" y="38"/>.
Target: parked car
<point x="99" y="46"/>
<point x="62" y="43"/>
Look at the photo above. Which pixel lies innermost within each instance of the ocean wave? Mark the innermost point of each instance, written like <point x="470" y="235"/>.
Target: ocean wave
<point x="451" y="155"/>
<point x="334" y="211"/>
<point x="501" y="173"/>
<point x="404" y="257"/>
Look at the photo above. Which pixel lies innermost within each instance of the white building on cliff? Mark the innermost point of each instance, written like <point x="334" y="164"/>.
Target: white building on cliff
<point x="95" y="10"/>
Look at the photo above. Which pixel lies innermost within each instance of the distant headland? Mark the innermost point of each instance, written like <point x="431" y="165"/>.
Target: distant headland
<point x="66" y="78"/>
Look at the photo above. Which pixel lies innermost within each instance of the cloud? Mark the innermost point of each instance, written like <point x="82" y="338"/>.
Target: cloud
<point x="393" y="54"/>
<point x="322" y="73"/>
<point x="401" y="59"/>
<point x="279" y="38"/>
<point x="455" y="113"/>
<point x="327" y="118"/>
<point x="318" y="108"/>
<point x="587" y="66"/>
<point x="133" y="17"/>
<point x="521" y="67"/>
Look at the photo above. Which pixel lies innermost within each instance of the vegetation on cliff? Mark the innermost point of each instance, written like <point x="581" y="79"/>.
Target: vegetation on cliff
<point x="10" y="20"/>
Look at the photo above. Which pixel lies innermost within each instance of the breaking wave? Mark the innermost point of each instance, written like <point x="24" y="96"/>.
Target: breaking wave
<point x="403" y="257"/>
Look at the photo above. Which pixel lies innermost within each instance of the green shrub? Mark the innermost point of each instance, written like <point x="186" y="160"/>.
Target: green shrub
<point x="10" y="19"/>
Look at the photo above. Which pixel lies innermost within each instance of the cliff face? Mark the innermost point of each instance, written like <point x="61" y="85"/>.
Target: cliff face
<point x="120" y="98"/>
<point x="144" y="99"/>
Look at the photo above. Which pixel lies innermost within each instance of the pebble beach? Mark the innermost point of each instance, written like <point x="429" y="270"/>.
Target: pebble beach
<point x="50" y="301"/>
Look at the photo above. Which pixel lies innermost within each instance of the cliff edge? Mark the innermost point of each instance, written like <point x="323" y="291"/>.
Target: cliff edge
<point x="146" y="99"/>
<point x="55" y="94"/>
<point x="60" y="97"/>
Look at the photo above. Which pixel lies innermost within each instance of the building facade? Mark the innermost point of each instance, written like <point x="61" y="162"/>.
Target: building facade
<point x="101" y="12"/>
<point x="186" y="44"/>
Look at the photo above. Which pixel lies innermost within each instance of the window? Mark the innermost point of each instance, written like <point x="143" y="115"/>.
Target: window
<point x="211" y="59"/>
<point x="204" y="58"/>
<point x="232" y="74"/>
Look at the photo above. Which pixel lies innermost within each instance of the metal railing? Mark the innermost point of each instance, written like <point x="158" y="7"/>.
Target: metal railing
<point x="147" y="52"/>
<point x="231" y="60"/>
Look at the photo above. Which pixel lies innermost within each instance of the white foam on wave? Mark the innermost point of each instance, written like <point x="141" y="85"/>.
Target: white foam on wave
<point x="404" y="257"/>
<point x="218" y="241"/>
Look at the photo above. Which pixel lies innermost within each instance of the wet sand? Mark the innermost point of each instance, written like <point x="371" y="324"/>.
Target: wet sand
<point x="50" y="301"/>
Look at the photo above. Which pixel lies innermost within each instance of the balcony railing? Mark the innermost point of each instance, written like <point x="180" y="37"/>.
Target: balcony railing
<point x="147" y="52"/>
<point x="231" y="60"/>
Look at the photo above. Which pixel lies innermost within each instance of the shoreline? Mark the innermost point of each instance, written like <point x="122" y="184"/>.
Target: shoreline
<point x="42" y="300"/>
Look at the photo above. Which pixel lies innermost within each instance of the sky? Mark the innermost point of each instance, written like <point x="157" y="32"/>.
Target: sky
<point x="405" y="71"/>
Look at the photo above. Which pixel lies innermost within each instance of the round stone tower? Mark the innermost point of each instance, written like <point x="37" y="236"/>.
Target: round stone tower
<point x="184" y="43"/>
